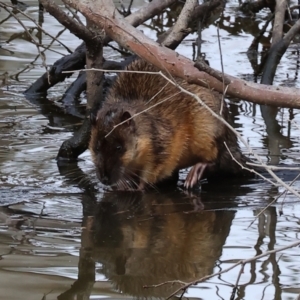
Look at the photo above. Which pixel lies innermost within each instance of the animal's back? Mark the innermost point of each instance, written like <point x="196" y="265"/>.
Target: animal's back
<point x="137" y="84"/>
<point x="170" y="130"/>
<point x="194" y="128"/>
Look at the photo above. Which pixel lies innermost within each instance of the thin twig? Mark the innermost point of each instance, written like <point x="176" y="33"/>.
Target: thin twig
<point x="237" y="282"/>
<point x="37" y="25"/>
<point x="222" y="68"/>
<point x="74" y="14"/>
<point x="241" y="262"/>
<point x="166" y="282"/>
<point x="272" y="202"/>
<point x="30" y="35"/>
<point x="250" y="170"/>
<point x="274" y="167"/>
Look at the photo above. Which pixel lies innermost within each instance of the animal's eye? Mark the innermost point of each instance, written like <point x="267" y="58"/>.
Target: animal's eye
<point x="119" y="148"/>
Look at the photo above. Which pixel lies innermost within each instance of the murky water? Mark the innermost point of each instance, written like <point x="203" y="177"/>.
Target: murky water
<point x="59" y="230"/>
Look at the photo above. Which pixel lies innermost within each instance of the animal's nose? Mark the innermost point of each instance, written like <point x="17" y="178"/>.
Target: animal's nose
<point x="104" y="178"/>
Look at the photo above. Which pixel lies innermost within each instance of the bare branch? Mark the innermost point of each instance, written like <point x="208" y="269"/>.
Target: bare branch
<point x="181" y="25"/>
<point x="37" y="25"/>
<point x="80" y="31"/>
<point x="118" y="29"/>
<point x="42" y="55"/>
<point x="206" y="12"/>
<point x="148" y="11"/>
<point x="275" y="200"/>
<point x="277" y="32"/>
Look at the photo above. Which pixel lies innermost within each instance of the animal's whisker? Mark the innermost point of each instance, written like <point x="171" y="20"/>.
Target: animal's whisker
<point x="147" y="183"/>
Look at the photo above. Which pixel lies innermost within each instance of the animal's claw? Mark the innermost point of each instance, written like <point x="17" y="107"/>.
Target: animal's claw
<point x="194" y="175"/>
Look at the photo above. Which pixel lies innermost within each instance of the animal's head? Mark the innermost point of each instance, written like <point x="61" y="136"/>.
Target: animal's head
<point x="113" y="146"/>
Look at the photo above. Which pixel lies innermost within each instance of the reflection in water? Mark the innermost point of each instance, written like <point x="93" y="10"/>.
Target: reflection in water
<point x="275" y="140"/>
<point x="144" y="239"/>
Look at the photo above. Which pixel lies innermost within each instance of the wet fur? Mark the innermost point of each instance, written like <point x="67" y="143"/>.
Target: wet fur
<point x="173" y="135"/>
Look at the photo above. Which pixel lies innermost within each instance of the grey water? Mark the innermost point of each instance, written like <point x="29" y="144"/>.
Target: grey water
<point x="59" y="229"/>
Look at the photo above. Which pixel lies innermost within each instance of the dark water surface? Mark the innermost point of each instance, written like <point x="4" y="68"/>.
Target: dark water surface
<point x="59" y="229"/>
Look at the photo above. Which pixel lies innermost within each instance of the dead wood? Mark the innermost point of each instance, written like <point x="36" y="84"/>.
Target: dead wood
<point x="75" y="27"/>
<point x="270" y="66"/>
<point x="277" y="31"/>
<point x="274" y="56"/>
<point x="78" y="143"/>
<point x="74" y="61"/>
<point x="206" y="12"/>
<point x="72" y="93"/>
<point x="181" y="27"/>
<point x="201" y="65"/>
<point x="118" y="29"/>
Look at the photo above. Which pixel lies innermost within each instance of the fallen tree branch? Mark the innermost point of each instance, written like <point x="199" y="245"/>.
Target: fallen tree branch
<point x="129" y="37"/>
<point x="73" y="61"/>
<point x="79" y="30"/>
<point x="278" y="46"/>
<point x="76" y="60"/>
<point x="277" y="31"/>
<point x="255" y="6"/>
<point x="207" y="12"/>
<point x="148" y="11"/>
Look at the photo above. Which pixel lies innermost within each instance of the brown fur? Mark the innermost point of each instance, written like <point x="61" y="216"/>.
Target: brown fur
<point x="175" y="134"/>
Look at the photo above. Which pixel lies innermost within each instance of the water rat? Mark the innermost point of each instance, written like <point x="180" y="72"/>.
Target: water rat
<point x="177" y="133"/>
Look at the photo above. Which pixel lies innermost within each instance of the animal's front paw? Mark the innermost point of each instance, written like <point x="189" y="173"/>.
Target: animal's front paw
<point x="194" y="175"/>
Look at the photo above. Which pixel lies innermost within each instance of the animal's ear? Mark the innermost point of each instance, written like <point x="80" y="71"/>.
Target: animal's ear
<point x="93" y="118"/>
<point x="126" y="118"/>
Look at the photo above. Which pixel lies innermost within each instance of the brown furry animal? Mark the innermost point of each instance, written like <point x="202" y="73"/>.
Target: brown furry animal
<point x="175" y="134"/>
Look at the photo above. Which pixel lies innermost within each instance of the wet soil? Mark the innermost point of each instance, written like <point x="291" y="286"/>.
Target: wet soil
<point x="62" y="235"/>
